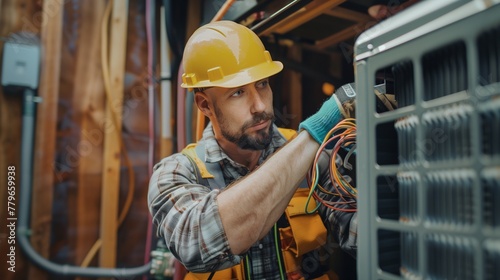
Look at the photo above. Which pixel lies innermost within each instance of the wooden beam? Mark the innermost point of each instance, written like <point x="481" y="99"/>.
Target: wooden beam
<point x="193" y="22"/>
<point x="343" y="35"/>
<point x="193" y="17"/>
<point x="348" y="14"/>
<point x="41" y="204"/>
<point x="88" y="107"/>
<point x="305" y="14"/>
<point x="113" y="134"/>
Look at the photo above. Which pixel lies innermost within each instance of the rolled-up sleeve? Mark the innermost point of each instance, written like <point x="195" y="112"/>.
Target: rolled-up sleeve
<point x="187" y="216"/>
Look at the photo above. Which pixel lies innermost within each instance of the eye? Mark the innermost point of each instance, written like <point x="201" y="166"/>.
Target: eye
<point x="263" y="83"/>
<point x="237" y="93"/>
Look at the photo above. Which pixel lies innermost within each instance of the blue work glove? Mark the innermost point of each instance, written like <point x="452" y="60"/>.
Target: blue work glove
<point x="339" y="105"/>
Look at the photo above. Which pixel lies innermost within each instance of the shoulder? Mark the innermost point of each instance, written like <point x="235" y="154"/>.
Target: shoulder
<point x="175" y="167"/>
<point x="177" y="158"/>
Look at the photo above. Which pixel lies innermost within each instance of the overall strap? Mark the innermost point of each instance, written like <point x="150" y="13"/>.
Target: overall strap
<point x="215" y="177"/>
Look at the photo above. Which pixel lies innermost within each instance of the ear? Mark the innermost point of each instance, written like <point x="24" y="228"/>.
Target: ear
<point x="203" y="103"/>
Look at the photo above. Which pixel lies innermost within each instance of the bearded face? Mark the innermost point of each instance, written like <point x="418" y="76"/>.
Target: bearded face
<point x="244" y="136"/>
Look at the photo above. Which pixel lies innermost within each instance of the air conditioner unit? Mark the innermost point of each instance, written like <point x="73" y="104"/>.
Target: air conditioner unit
<point x="429" y="190"/>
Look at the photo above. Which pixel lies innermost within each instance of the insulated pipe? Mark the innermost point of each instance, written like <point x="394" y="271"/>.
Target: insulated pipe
<point x="23" y="230"/>
<point x="176" y="47"/>
<point x="181" y="107"/>
<point x="150" y="30"/>
<point x="166" y="83"/>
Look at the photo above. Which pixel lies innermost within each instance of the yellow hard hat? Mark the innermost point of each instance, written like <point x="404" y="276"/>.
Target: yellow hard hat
<point x="226" y="54"/>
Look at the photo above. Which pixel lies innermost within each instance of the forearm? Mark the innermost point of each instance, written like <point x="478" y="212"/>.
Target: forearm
<point x="250" y="207"/>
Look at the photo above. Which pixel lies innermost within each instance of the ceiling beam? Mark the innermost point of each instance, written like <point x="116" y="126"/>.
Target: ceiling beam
<point x="340" y="12"/>
<point x="301" y="16"/>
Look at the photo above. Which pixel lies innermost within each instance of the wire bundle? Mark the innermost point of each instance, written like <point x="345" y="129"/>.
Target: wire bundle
<point x="341" y="136"/>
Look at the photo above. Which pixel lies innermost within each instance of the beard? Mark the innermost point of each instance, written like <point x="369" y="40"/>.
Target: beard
<point x="243" y="139"/>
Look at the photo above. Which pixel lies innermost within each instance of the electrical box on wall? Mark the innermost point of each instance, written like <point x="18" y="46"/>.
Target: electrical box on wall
<point x="429" y="193"/>
<point x="20" y="65"/>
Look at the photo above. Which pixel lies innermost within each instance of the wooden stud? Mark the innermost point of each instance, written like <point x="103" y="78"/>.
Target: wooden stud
<point x="193" y="18"/>
<point x="43" y="182"/>
<point x="112" y="132"/>
<point x="88" y="107"/>
<point x="293" y="114"/>
<point x="193" y="22"/>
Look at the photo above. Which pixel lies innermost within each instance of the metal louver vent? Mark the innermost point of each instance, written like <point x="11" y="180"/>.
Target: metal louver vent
<point x="409" y="255"/>
<point x="488" y="45"/>
<point x="447" y="133"/>
<point x="387" y="197"/>
<point x="408" y="186"/>
<point x="490" y="181"/>
<point x="490" y="128"/>
<point x="389" y="244"/>
<point x="445" y="71"/>
<point x="450" y="257"/>
<point x="450" y="197"/>
<point x="403" y="83"/>
<point x="492" y="259"/>
<point x="407" y="134"/>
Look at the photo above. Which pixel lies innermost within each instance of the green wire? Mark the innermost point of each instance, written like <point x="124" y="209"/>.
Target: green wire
<point x="347" y="187"/>
<point x="247" y="267"/>
<point x="313" y="188"/>
<point x="278" y="252"/>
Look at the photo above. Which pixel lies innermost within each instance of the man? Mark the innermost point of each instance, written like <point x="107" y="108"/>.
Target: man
<point x="212" y="228"/>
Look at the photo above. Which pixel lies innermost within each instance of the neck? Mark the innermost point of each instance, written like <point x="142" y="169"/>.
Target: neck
<point x="248" y="158"/>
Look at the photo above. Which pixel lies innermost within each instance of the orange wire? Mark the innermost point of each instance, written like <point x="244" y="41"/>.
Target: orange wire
<point x="344" y="133"/>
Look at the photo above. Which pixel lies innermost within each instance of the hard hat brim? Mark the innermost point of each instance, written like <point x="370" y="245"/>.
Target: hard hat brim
<point x="243" y="77"/>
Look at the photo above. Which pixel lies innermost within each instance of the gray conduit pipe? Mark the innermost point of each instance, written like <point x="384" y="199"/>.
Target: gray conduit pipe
<point x="23" y="231"/>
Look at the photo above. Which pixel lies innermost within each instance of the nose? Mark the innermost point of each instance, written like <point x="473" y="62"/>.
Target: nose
<point x="258" y="104"/>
